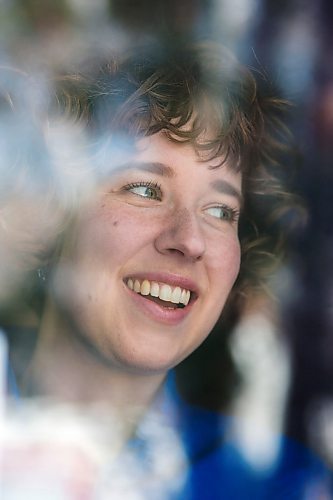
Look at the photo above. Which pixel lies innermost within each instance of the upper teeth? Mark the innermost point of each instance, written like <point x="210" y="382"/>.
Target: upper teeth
<point x="165" y="292"/>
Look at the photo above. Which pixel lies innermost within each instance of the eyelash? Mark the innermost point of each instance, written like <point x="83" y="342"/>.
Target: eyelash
<point x="232" y="213"/>
<point x="148" y="184"/>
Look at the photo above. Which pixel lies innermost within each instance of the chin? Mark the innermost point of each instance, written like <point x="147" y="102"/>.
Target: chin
<point x="147" y="363"/>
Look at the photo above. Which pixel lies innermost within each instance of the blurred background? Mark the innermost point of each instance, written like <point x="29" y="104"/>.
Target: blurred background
<point x="276" y="365"/>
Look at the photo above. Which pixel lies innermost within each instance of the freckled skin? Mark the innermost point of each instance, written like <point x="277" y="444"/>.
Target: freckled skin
<point x="122" y="233"/>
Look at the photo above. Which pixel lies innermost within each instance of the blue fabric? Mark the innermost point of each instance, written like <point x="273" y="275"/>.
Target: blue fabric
<point x="218" y="470"/>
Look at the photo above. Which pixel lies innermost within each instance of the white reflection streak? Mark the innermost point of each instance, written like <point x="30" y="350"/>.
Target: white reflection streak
<point x="3" y="378"/>
<point x="236" y="16"/>
<point x="65" y="452"/>
<point x="263" y="361"/>
<point x="320" y="424"/>
<point x="295" y="52"/>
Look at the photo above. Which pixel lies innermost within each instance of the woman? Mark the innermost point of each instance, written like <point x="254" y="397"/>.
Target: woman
<point x="179" y="161"/>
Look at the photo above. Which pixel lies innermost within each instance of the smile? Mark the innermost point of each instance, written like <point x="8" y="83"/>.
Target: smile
<point x="174" y="295"/>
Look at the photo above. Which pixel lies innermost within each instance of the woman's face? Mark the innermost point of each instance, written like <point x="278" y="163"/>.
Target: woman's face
<point x="154" y="257"/>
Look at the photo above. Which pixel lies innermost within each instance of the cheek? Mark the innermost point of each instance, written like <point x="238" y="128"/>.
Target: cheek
<point x="225" y="260"/>
<point x="113" y="234"/>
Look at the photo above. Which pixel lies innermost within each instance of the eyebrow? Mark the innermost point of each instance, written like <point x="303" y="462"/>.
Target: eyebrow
<point x="220" y="185"/>
<point x="223" y="186"/>
<point x="152" y="167"/>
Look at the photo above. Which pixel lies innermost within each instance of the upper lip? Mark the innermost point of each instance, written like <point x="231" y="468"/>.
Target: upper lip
<point x="168" y="278"/>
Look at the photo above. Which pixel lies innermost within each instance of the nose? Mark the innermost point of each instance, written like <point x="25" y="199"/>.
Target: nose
<point x="181" y="235"/>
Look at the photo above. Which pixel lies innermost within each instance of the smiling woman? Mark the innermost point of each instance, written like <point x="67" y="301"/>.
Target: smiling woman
<point x="181" y="177"/>
<point x="172" y="235"/>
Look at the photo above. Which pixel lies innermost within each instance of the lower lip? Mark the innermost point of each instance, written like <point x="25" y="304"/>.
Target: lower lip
<point x="159" y="313"/>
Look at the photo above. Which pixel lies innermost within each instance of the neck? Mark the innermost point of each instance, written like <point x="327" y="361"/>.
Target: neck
<point x="65" y="369"/>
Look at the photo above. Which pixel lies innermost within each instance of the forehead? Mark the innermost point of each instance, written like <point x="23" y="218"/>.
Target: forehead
<point x="165" y="158"/>
<point x="175" y="155"/>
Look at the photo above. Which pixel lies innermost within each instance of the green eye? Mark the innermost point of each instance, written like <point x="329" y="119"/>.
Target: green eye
<point x="149" y="190"/>
<point x="223" y="212"/>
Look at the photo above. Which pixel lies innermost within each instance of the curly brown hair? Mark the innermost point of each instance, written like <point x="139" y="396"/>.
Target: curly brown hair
<point x="197" y="94"/>
<point x="200" y="94"/>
